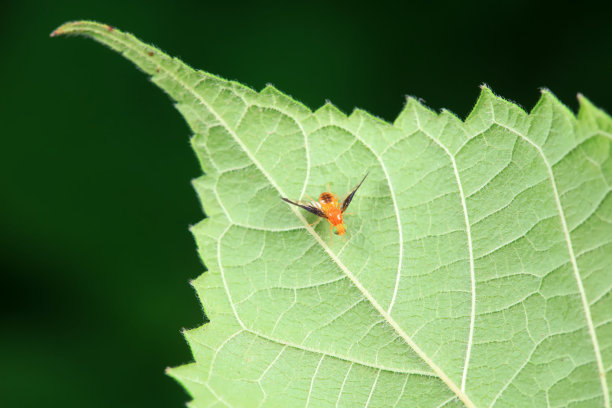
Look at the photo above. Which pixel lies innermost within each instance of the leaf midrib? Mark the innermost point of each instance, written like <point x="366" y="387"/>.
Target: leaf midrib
<point x="293" y="345"/>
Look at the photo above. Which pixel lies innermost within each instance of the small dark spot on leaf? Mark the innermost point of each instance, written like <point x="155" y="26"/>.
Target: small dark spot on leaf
<point x="110" y="28"/>
<point x="150" y="53"/>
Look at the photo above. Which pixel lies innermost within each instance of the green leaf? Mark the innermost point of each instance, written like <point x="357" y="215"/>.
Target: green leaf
<point x="476" y="271"/>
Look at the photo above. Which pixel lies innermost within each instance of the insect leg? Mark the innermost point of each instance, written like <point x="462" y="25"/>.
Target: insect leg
<point x="316" y="222"/>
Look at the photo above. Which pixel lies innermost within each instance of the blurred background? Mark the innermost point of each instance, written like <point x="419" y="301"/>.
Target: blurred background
<point x="95" y="169"/>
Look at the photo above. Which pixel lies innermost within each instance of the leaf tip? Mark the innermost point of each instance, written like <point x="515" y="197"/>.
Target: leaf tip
<point x="61" y="30"/>
<point x="77" y="27"/>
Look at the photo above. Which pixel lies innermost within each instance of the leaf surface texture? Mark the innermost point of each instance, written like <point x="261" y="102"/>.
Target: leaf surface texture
<point x="476" y="271"/>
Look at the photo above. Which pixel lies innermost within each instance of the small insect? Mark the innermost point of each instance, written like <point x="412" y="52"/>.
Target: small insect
<point x="329" y="207"/>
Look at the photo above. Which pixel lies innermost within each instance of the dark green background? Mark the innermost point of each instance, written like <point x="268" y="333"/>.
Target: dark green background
<point x="96" y="166"/>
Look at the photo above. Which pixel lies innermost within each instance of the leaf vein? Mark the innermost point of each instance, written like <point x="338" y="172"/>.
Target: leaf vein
<point x="470" y="250"/>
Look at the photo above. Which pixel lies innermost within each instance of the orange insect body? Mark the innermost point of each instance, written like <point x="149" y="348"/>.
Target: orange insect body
<point x="330" y="208"/>
<point x="329" y="204"/>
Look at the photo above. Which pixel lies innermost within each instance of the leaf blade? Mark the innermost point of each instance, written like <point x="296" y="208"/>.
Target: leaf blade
<point x="218" y="111"/>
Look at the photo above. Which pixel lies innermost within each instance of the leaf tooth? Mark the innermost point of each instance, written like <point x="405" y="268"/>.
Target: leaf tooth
<point x="548" y="97"/>
<point x="451" y="116"/>
<point x="329" y="110"/>
<point x="418" y="103"/>
<point x="359" y="114"/>
<point x="588" y="112"/>
<point x="407" y="118"/>
<point x="284" y="100"/>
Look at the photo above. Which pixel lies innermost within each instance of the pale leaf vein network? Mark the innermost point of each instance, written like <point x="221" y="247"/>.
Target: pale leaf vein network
<point x="570" y="248"/>
<point x="470" y="250"/>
